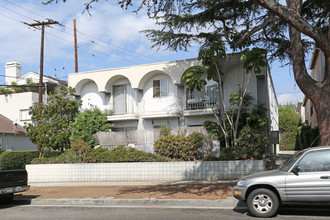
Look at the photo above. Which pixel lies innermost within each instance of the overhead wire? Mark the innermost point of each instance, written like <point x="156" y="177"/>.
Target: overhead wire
<point x="17" y="13"/>
<point x="26" y="9"/>
<point x="87" y="37"/>
<point x="90" y="38"/>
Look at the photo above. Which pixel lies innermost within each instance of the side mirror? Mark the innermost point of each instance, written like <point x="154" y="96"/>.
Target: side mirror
<point x="296" y="169"/>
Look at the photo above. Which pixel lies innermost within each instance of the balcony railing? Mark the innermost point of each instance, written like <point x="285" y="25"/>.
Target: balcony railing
<point x="162" y="104"/>
<point x="199" y="101"/>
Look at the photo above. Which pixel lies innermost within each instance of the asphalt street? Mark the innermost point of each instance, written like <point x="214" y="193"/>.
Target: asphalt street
<point x="55" y="212"/>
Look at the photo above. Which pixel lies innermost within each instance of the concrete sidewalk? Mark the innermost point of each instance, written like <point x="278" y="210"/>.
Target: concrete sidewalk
<point x="127" y="183"/>
<point x="186" y="187"/>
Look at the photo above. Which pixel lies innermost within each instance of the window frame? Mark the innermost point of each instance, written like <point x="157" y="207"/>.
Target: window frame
<point x="160" y="88"/>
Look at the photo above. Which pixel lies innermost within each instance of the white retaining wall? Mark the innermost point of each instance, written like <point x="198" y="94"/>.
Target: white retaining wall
<point x="150" y="171"/>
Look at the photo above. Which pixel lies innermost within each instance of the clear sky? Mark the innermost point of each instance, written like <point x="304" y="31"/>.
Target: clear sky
<point x="110" y="37"/>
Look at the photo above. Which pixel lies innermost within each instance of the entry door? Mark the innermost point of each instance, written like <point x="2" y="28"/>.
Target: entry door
<point x="312" y="182"/>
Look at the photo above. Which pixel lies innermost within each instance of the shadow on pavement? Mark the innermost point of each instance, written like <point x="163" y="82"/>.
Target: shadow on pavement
<point x="216" y="191"/>
<point x="16" y="201"/>
<point x="321" y="210"/>
<point x="310" y="210"/>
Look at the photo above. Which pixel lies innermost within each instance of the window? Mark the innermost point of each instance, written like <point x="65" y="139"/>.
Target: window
<point x="160" y="88"/>
<point x="24" y="114"/>
<point x="318" y="161"/>
<point x="124" y="99"/>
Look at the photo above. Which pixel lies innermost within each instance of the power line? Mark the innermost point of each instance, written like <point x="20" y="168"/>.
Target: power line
<point x="87" y="37"/>
<point x="108" y="46"/>
<point x="89" y="49"/>
<point x="26" y="9"/>
<point x="17" y="12"/>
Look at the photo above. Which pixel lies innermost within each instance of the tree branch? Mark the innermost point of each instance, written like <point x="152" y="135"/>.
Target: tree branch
<point x="255" y="29"/>
<point x="294" y="19"/>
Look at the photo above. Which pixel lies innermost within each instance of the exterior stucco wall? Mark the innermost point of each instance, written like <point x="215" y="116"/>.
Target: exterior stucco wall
<point x="12" y="104"/>
<point x="167" y="171"/>
<point x="135" y="74"/>
<point x="16" y="142"/>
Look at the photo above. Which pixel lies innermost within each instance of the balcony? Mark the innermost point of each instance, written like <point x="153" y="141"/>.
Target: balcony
<point x="169" y="106"/>
<point x="196" y="100"/>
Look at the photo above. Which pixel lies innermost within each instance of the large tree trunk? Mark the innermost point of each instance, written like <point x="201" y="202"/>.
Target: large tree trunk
<point x="317" y="92"/>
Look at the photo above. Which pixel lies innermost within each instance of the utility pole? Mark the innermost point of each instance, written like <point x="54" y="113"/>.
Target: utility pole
<point x="75" y="46"/>
<point x="42" y="24"/>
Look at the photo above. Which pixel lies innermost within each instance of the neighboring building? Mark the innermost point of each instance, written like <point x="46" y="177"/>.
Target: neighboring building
<point x="301" y="110"/>
<point x="154" y="95"/>
<point x="16" y="106"/>
<point x="317" y="67"/>
<point x="13" y="137"/>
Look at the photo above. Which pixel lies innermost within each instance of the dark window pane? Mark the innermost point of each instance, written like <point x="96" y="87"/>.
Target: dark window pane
<point x="156" y="88"/>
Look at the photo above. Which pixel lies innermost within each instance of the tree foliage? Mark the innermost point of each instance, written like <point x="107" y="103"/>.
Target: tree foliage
<point x="88" y="123"/>
<point x="29" y="87"/>
<point x="253" y="120"/>
<point x="241" y="24"/>
<point x="51" y="121"/>
<point x="288" y="124"/>
<point x="211" y="56"/>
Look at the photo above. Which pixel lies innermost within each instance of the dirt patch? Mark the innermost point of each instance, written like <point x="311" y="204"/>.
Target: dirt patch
<point x="182" y="191"/>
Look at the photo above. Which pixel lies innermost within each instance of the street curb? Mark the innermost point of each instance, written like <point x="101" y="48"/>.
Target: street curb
<point x="166" y="203"/>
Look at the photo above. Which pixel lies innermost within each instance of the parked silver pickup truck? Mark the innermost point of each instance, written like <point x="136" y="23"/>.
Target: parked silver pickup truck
<point x="13" y="181"/>
<point x="305" y="178"/>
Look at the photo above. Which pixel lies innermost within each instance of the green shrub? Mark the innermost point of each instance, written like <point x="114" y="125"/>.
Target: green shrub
<point x="98" y="155"/>
<point x="12" y="160"/>
<point x="165" y="131"/>
<point x="88" y="123"/>
<point x="307" y="137"/>
<point x="51" y="153"/>
<point x="194" y="142"/>
<point x="252" y="146"/>
<point x="81" y="148"/>
<point x="170" y="146"/>
<point x="102" y="155"/>
<point x="288" y="124"/>
<point x="122" y="154"/>
<point x="180" y="147"/>
<point x="68" y="156"/>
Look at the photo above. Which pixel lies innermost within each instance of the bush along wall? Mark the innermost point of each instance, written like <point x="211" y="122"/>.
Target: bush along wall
<point x="14" y="160"/>
<point x="101" y="155"/>
<point x="180" y="147"/>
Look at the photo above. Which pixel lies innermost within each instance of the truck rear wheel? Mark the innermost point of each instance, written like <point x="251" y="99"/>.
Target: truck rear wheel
<point x="263" y="203"/>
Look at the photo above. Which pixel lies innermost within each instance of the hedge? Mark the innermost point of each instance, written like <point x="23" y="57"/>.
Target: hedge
<point x="14" y="160"/>
<point x="102" y="155"/>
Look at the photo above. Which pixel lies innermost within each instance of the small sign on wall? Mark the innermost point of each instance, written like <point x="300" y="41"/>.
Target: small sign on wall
<point x="274" y="137"/>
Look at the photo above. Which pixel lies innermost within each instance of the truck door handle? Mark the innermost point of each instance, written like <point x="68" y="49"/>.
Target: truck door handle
<point x="325" y="177"/>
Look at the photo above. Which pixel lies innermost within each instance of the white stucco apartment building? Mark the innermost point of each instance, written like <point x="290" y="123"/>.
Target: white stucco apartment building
<point x="16" y="106"/>
<point x="154" y="95"/>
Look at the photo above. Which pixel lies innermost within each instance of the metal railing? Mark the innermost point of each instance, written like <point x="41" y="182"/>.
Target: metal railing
<point x="196" y="100"/>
